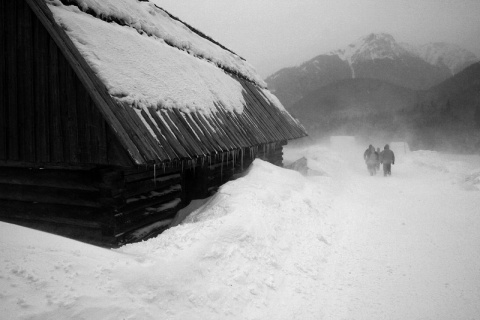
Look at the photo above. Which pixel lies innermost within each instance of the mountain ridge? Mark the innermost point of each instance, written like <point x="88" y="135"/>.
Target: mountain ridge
<point x="376" y="56"/>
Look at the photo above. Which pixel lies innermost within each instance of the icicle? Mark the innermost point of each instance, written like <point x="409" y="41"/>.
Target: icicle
<point x="241" y="160"/>
<point x="155" y="174"/>
<point x="221" y="169"/>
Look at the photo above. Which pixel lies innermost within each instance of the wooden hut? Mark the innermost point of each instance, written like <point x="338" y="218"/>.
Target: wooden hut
<point x="115" y="114"/>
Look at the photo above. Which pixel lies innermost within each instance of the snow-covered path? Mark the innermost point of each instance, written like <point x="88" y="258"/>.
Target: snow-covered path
<point x="336" y="244"/>
<point x="406" y="246"/>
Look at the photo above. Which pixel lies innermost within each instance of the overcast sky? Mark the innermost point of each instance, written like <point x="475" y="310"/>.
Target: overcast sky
<point x="273" y="34"/>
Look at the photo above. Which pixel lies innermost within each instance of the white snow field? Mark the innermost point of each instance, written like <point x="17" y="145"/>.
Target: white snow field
<point x="277" y="245"/>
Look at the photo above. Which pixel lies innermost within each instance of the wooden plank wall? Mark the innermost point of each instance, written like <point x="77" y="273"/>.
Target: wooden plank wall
<point x="111" y="206"/>
<point x="104" y="206"/>
<point x="46" y="114"/>
<point x="66" y="202"/>
<point x="151" y="195"/>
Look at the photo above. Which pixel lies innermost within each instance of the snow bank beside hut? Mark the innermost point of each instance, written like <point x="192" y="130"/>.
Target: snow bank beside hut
<point x="275" y="245"/>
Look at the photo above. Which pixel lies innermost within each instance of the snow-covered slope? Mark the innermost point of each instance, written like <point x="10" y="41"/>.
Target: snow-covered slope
<point x="277" y="245"/>
<point x="372" y="47"/>
<point x="445" y="55"/>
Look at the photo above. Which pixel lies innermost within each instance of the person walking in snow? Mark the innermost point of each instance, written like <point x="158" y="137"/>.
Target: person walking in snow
<point x="377" y="166"/>
<point x="367" y="152"/>
<point x="371" y="158"/>
<point x="387" y="158"/>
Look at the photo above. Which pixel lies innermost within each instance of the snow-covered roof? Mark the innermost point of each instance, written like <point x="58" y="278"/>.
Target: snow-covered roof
<point x="146" y="57"/>
<point x="182" y="84"/>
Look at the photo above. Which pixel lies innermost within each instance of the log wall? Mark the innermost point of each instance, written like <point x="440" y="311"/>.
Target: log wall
<point x="99" y="206"/>
<point x="111" y="206"/>
<point x="151" y="195"/>
<point x="64" y="202"/>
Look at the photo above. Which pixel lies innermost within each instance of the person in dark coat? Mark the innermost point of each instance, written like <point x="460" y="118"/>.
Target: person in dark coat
<point x="367" y="152"/>
<point x="371" y="158"/>
<point x="387" y="158"/>
<point x="378" y="159"/>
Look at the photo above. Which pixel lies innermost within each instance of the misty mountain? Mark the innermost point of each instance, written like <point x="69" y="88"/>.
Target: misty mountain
<point x="444" y="55"/>
<point x="445" y="117"/>
<point x="340" y="107"/>
<point x="376" y="56"/>
<point x="291" y="84"/>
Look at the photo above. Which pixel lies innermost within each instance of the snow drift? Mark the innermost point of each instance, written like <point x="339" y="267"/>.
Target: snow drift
<point x="275" y="244"/>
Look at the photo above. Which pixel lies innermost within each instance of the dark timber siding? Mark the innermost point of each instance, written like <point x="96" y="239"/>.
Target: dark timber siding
<point x="46" y="114"/>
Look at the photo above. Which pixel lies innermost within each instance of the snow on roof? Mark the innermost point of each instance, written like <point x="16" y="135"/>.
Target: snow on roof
<point x="146" y="58"/>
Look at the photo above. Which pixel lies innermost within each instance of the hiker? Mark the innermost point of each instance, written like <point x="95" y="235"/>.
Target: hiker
<point x="371" y="158"/>
<point x="378" y="159"/>
<point x="367" y="152"/>
<point x="387" y="158"/>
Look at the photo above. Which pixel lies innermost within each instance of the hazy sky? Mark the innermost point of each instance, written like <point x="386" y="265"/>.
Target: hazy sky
<point x="273" y="34"/>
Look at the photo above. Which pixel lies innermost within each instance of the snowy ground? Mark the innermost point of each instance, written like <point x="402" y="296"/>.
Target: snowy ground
<point x="277" y="245"/>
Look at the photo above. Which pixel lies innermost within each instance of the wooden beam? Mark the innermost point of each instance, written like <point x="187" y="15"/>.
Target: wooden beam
<point x="64" y="179"/>
<point x="3" y="81"/>
<point x="140" y="187"/>
<point x="142" y="218"/>
<point x="170" y="137"/>
<point x="11" y="68"/>
<point x="42" y="114"/>
<point x="175" y="115"/>
<point x="55" y="213"/>
<point x="51" y="195"/>
<point x="170" y="153"/>
<point x="25" y="82"/>
<point x="55" y="111"/>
